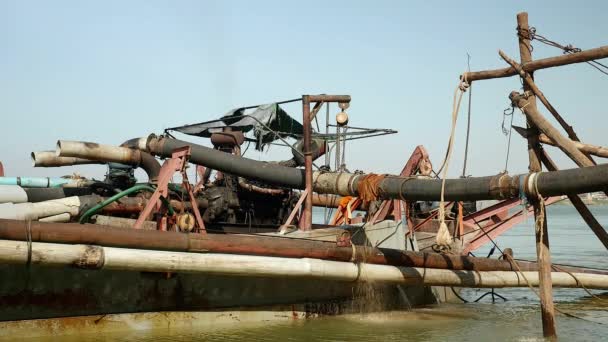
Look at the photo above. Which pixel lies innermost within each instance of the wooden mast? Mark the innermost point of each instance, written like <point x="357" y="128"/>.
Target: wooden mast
<point x="542" y="237"/>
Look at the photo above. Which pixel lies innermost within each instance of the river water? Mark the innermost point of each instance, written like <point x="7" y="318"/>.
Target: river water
<point x="517" y="319"/>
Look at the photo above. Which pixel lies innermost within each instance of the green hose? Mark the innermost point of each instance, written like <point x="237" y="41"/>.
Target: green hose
<point x="140" y="187"/>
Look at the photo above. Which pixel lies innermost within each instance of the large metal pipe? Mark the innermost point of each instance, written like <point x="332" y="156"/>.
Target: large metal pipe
<point x="40" y="182"/>
<point x="45" y="194"/>
<point x="107" y="153"/>
<point x="101" y="257"/>
<point x="12" y="194"/>
<point x="70" y="233"/>
<point x="50" y="159"/>
<point x="580" y="180"/>
<point x="34" y="211"/>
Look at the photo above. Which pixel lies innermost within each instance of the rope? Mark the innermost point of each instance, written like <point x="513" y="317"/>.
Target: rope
<point x="367" y="187"/>
<point x="513" y="263"/>
<point x="443" y="237"/>
<point x="580" y="283"/>
<point x="466" y="145"/>
<point x="540" y="220"/>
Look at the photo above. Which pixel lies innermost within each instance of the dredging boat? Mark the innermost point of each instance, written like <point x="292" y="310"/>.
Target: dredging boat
<point x="239" y="243"/>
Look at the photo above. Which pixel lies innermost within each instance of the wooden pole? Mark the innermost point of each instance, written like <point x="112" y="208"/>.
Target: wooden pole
<point x="595" y="150"/>
<point x="579" y="57"/>
<point x="542" y="237"/>
<point x="582" y="209"/>
<point x="535" y="117"/>
<point x="139" y="260"/>
<point x="529" y="81"/>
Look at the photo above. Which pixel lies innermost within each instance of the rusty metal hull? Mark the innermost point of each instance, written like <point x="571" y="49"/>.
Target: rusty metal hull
<point x="43" y="298"/>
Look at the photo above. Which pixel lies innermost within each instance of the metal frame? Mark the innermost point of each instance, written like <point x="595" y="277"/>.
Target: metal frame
<point x="177" y="163"/>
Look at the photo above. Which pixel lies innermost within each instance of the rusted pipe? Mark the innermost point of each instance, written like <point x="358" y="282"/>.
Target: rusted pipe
<point x="107" y="153"/>
<point x="247" y="244"/>
<point x="329" y="98"/>
<point x="50" y="159"/>
<point x="244" y="184"/>
<point x="305" y="222"/>
<point x="130" y="205"/>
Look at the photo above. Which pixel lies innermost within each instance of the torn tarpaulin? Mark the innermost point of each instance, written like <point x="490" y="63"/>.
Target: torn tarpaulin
<point x="267" y="121"/>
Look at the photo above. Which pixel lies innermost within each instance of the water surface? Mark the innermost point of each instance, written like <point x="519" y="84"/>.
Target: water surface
<point x="517" y="319"/>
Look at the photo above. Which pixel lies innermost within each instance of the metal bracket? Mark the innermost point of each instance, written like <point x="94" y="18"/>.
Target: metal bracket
<point x="177" y="163"/>
<point x="292" y="215"/>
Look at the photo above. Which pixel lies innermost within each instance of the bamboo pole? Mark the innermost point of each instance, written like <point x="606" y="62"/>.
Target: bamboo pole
<point x="579" y="57"/>
<point x="595" y="150"/>
<point x="542" y="235"/>
<point x="109" y="258"/>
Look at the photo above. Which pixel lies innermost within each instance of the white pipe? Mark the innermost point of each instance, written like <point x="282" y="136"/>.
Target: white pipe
<point x="12" y="194"/>
<point x="96" y="151"/>
<point x="50" y="159"/>
<point x="64" y="217"/>
<point x="34" y="211"/>
<point x="98" y="257"/>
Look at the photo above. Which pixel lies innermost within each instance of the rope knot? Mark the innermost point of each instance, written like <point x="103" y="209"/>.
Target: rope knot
<point x="463" y="86"/>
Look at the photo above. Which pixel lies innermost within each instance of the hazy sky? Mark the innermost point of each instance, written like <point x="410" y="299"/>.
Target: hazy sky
<point x="108" y="71"/>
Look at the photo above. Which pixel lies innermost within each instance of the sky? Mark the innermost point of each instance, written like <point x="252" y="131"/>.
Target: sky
<point x="108" y="71"/>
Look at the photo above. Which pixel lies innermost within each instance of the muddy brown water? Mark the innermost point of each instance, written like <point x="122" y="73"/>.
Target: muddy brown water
<point x="517" y="319"/>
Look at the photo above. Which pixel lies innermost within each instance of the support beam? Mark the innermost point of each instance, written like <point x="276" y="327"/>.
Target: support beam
<point x="305" y="222"/>
<point x="529" y="81"/>
<point x="580" y="206"/>
<point x="595" y="150"/>
<point x="542" y="237"/>
<point x="315" y="110"/>
<point x="579" y="57"/>
<point x="563" y="143"/>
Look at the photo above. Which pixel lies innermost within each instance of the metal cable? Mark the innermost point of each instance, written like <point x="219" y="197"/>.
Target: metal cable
<point x="508" y="132"/>
<point x="567" y="49"/>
